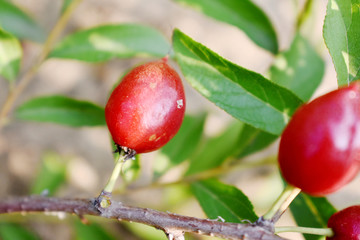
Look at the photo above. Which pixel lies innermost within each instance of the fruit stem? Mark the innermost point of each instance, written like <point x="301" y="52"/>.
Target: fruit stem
<point x="104" y="199"/>
<point x="282" y="203"/>
<point x="116" y="172"/>
<point x="328" y="232"/>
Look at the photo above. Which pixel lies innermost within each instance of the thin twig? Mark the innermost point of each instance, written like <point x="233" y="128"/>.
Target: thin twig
<point x="168" y="222"/>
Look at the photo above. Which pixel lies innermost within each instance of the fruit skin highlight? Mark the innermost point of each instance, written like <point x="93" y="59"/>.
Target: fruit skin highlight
<point x="147" y="108"/>
<point x="320" y="147"/>
<point x="345" y="224"/>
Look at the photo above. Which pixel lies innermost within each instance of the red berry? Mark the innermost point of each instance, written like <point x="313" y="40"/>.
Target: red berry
<point x="320" y="147"/>
<point x="147" y="108"/>
<point x="345" y="224"/>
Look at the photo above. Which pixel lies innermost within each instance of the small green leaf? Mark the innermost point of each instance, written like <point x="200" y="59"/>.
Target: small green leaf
<point x="12" y="231"/>
<point x="10" y="55"/>
<point x="341" y="34"/>
<point x="243" y="14"/>
<point x="18" y="23"/>
<point x="311" y="212"/>
<point x="218" y="199"/>
<point x="90" y="232"/>
<point x="216" y="150"/>
<point x="51" y="175"/>
<point x="299" y="69"/>
<point x="182" y="146"/>
<point x="62" y="110"/>
<point x="244" y="94"/>
<point x="109" y="41"/>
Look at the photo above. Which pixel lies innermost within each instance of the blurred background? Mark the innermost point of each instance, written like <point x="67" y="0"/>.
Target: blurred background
<point x="83" y="156"/>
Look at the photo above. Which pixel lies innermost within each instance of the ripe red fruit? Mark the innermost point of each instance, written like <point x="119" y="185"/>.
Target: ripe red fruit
<point x="147" y="108"/>
<point x="345" y="224"/>
<point x="320" y="147"/>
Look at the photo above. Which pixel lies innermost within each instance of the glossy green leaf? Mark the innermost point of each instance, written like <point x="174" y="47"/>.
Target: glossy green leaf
<point x="218" y="199"/>
<point x="244" y="94"/>
<point x="10" y="55"/>
<point x="12" y="231"/>
<point x="51" y="175"/>
<point x="90" y="232"/>
<point x="243" y="14"/>
<point x="342" y="34"/>
<point x="18" y="23"/>
<point x="216" y="150"/>
<point x="311" y="212"/>
<point x="299" y="69"/>
<point x="109" y="41"/>
<point x="62" y="110"/>
<point x="182" y="146"/>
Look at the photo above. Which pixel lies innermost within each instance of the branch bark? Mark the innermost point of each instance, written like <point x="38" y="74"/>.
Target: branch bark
<point x="170" y="223"/>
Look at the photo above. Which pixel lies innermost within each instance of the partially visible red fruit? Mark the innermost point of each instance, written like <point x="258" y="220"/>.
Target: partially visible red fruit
<point x="147" y="108"/>
<point x="345" y="224"/>
<point x="320" y="147"/>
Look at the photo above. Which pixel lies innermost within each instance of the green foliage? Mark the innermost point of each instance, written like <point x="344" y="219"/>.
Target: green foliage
<point x="103" y="43"/>
<point x="11" y="231"/>
<point x="252" y="140"/>
<point x="342" y="34"/>
<point x="18" y="23"/>
<point x="243" y="14"/>
<point x="299" y="69"/>
<point x="182" y="146"/>
<point x="311" y="212"/>
<point x="246" y="95"/>
<point x="225" y="201"/>
<point x="51" y="175"/>
<point x="90" y="232"/>
<point x="216" y="150"/>
<point x="261" y="105"/>
<point x="61" y="110"/>
<point x="10" y="55"/>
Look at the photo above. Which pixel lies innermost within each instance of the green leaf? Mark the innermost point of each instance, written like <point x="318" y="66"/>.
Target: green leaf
<point x="18" y="23"/>
<point x="252" y="140"/>
<point x="218" y="199"/>
<point x="62" y="110"/>
<point x="51" y="175"/>
<point x="216" y="150"/>
<point x="10" y="55"/>
<point x="244" y="94"/>
<point x="109" y="41"/>
<point x="342" y="34"/>
<point x="11" y="231"/>
<point x="299" y="69"/>
<point x="182" y="146"/>
<point x="243" y="14"/>
<point x="90" y="232"/>
<point x="311" y="212"/>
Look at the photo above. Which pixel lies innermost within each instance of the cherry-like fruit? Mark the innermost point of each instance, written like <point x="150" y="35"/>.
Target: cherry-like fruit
<point x="320" y="147"/>
<point x="147" y="108"/>
<point x="345" y="224"/>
